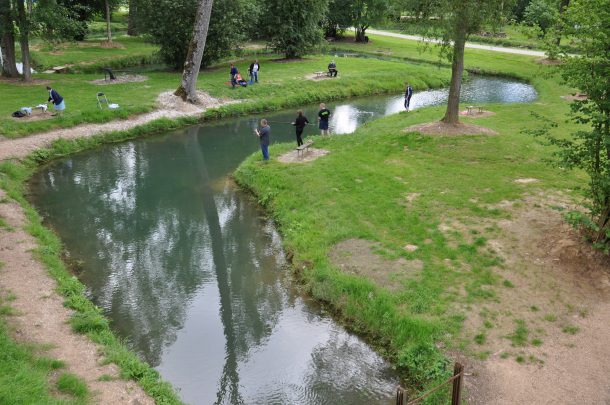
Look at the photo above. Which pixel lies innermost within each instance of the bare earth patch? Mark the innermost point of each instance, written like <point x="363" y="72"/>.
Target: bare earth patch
<point x="558" y="289"/>
<point x="477" y="114"/>
<point x="19" y="82"/>
<point x="317" y="78"/>
<point x="572" y="97"/>
<point x="309" y="156"/>
<point x="357" y="256"/>
<point x="35" y="117"/>
<point x="440" y="128"/>
<point x="170" y="107"/>
<point x="526" y="180"/>
<point x="42" y="319"/>
<point x="121" y="79"/>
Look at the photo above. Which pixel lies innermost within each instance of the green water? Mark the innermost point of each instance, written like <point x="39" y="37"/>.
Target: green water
<point x="192" y="273"/>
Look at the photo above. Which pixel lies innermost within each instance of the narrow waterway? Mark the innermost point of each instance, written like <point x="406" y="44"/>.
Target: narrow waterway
<point x="192" y="273"/>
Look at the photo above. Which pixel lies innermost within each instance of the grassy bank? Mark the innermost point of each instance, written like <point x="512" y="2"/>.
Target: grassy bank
<point x="431" y="203"/>
<point x="26" y="372"/>
<point x="283" y="84"/>
<point x="87" y="319"/>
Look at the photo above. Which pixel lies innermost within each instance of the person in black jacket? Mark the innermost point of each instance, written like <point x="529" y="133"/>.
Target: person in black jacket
<point x="58" y="101"/>
<point x="253" y="70"/>
<point x="408" y="95"/>
<point x="299" y="124"/>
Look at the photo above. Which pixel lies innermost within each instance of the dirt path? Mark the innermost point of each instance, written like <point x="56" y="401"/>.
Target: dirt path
<point x="170" y="107"/>
<point x="471" y="45"/>
<point x="40" y="316"/>
<point x="42" y="319"/>
<point x="559" y="289"/>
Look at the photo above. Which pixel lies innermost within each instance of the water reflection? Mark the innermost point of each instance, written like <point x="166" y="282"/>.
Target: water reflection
<point x="193" y="274"/>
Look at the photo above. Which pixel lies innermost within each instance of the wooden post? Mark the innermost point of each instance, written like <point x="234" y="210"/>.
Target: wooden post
<point x="400" y="396"/>
<point x="457" y="384"/>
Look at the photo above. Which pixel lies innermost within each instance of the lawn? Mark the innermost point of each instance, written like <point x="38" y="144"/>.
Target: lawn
<point x="282" y="84"/>
<point x="400" y="192"/>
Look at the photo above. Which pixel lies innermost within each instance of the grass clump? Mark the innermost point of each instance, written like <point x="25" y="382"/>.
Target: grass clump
<point x="520" y="335"/>
<point x="570" y="329"/>
<point x="71" y="384"/>
<point x="24" y="376"/>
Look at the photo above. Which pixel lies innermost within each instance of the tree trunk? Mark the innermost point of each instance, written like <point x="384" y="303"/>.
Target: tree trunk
<point x="108" y="31"/>
<point x="360" y="34"/>
<point x="132" y="28"/>
<point x="188" y="86"/>
<point x="7" y="42"/>
<point x="457" y="69"/>
<point x="24" y="32"/>
<point x="563" y="5"/>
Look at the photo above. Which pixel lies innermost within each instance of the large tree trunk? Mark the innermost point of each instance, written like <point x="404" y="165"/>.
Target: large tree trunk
<point x="24" y="32"/>
<point x="108" y="31"/>
<point x="457" y="69"/>
<point x="132" y="28"/>
<point x="360" y="34"/>
<point x="188" y="86"/>
<point x="7" y="41"/>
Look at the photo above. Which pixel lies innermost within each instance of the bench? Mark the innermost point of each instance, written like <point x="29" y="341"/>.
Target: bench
<point x="303" y="148"/>
<point x="320" y="74"/>
<point x="471" y="108"/>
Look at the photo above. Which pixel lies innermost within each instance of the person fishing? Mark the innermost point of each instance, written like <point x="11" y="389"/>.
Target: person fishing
<point x="299" y="124"/>
<point x="263" y="135"/>
<point x="323" y="117"/>
<point x="332" y="69"/>
<point x="58" y="101"/>
<point x="408" y="95"/>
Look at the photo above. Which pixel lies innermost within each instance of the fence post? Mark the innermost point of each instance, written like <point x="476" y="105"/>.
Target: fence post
<point x="457" y="384"/>
<point x="400" y="395"/>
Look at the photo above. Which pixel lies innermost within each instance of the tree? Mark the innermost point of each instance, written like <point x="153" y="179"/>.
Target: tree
<point x="169" y="23"/>
<point x="542" y="14"/>
<point x="23" y="22"/>
<point x="588" y="21"/>
<point x="455" y="21"/>
<point x="188" y="87"/>
<point x="7" y="40"/>
<point x="364" y="13"/>
<point x="293" y="28"/>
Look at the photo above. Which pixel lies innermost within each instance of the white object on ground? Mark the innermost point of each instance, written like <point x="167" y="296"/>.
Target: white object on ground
<point x="113" y="106"/>
<point x="27" y="110"/>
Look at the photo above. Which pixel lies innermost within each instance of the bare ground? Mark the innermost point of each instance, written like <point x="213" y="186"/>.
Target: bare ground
<point x="42" y="319"/>
<point x="551" y="282"/>
<point x="558" y="287"/>
<point x="440" y="128"/>
<point x="309" y="156"/>
<point x="170" y="106"/>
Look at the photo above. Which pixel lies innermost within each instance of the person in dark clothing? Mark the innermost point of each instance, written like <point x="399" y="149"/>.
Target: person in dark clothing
<point x="58" y="101"/>
<point x="408" y="95"/>
<point x="263" y="134"/>
<point x="233" y="74"/>
<point x="299" y="124"/>
<point x="253" y="71"/>
<point x="323" y="117"/>
<point x="332" y="69"/>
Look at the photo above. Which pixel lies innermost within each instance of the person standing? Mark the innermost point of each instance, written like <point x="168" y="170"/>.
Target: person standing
<point x="263" y="135"/>
<point x="58" y="101"/>
<point x="253" y="70"/>
<point x="408" y="95"/>
<point x="323" y="117"/>
<point x="233" y="73"/>
<point x="299" y="124"/>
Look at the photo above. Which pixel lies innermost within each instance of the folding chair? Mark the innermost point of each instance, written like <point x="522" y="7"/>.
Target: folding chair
<point x="101" y="98"/>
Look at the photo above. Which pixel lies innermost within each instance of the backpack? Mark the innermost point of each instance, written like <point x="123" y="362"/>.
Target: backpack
<point x="18" y="114"/>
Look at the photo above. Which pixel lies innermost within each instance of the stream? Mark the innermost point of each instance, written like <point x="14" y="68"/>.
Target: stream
<point x="191" y="272"/>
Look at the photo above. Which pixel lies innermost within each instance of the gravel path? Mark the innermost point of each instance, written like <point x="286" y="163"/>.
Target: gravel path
<point x="471" y="45"/>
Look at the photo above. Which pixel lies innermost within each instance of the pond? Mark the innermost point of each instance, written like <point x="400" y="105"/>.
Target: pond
<point x="192" y="273"/>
